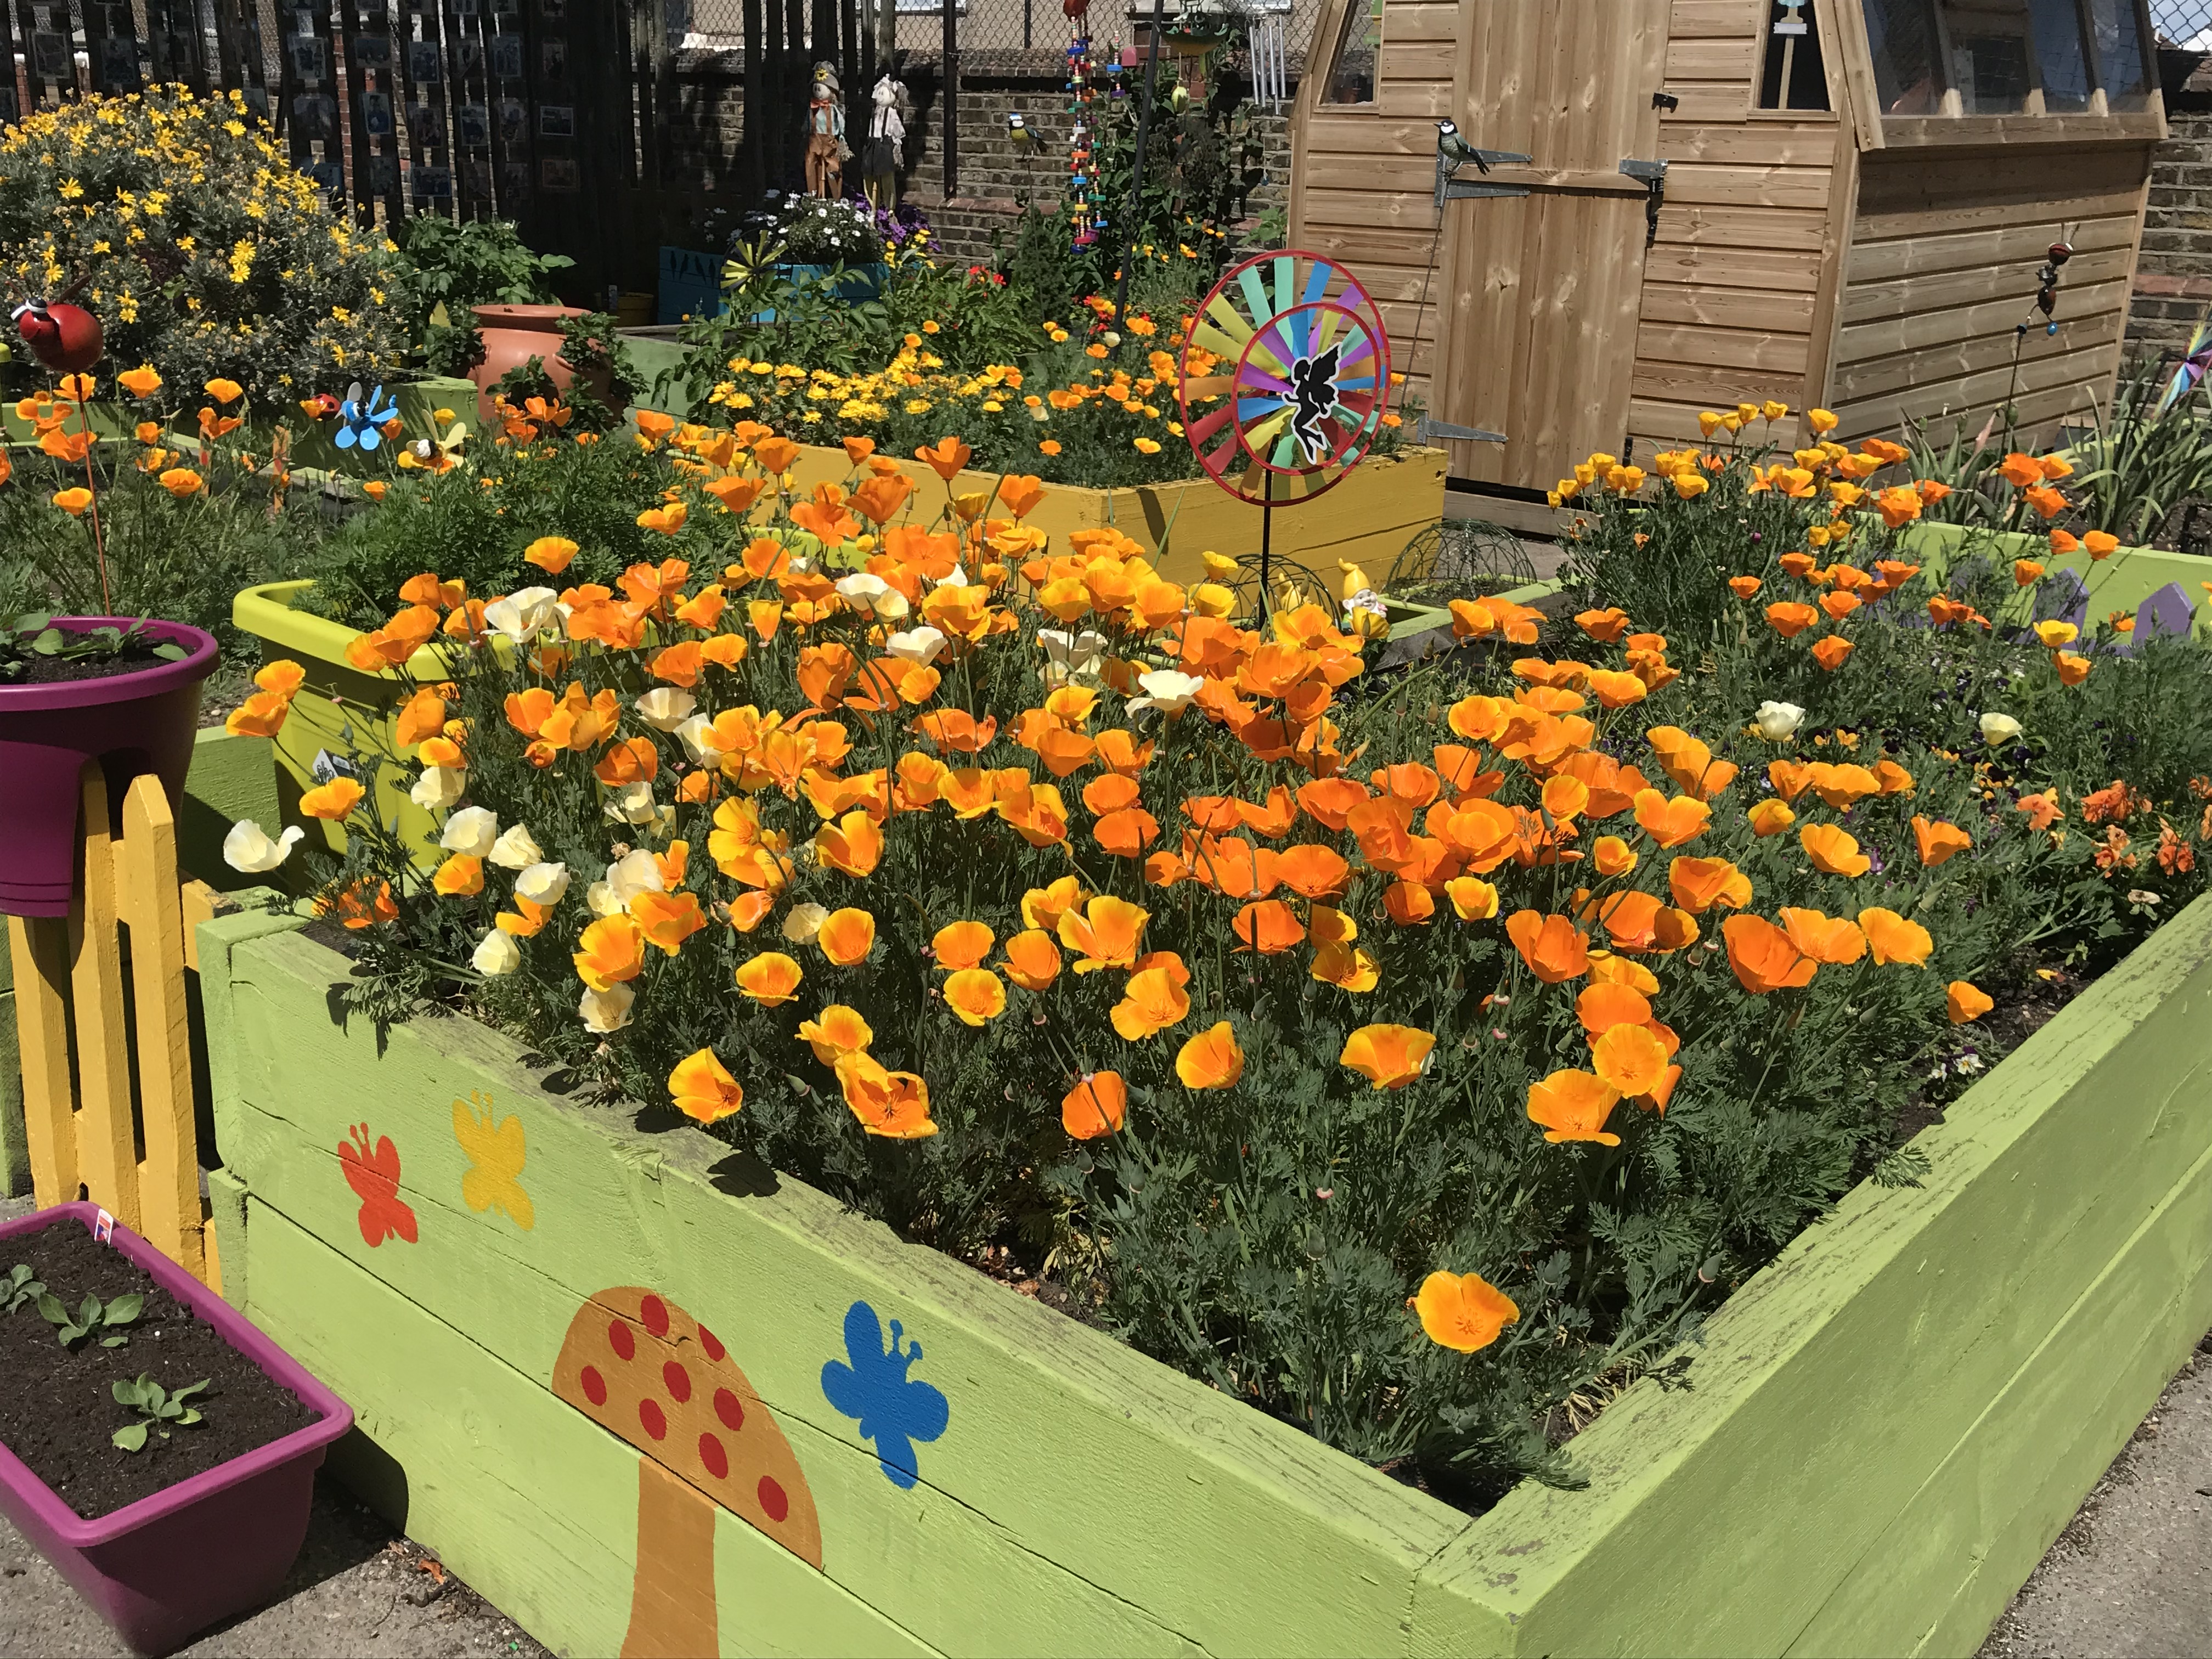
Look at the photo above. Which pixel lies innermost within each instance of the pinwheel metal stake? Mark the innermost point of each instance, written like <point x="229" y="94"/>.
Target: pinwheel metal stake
<point x="1285" y="378"/>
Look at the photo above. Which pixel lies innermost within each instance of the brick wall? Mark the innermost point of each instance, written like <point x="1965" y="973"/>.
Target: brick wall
<point x="2174" y="278"/>
<point x="997" y="176"/>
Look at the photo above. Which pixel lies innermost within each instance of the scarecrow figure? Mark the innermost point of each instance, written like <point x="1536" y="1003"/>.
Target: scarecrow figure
<point x="825" y="135"/>
<point x="886" y="140"/>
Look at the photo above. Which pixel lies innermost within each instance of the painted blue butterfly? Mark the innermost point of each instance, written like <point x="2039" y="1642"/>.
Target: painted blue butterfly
<point x="360" y="423"/>
<point x="893" y="1410"/>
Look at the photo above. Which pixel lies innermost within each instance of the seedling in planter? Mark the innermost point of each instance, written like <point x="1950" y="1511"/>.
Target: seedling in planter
<point x="32" y="637"/>
<point x="20" y="1287"/>
<point x="156" y="1407"/>
<point x="92" y="1317"/>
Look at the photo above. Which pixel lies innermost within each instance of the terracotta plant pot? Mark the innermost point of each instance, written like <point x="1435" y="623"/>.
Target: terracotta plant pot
<point x="513" y="335"/>
<point x="141" y="721"/>
<point x="208" y="1547"/>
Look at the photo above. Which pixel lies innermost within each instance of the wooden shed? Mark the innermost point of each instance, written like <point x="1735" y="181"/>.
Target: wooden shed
<point x="1856" y="199"/>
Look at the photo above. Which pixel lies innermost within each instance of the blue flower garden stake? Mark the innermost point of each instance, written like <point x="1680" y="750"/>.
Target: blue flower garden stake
<point x="362" y="424"/>
<point x="870" y="1383"/>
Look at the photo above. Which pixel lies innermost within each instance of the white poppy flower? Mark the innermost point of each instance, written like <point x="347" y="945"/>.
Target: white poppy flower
<point x="606" y="1011"/>
<point x="804" y="922"/>
<point x="599" y="899"/>
<point x="665" y="708"/>
<point x="862" y="590"/>
<point x="698" y="737"/>
<point x="918" y="645"/>
<point x="496" y="953"/>
<point x="632" y="803"/>
<point x="1167" y="689"/>
<point x="632" y="874"/>
<point x="439" y="787"/>
<point x="1999" y="728"/>
<point x="1068" y="653"/>
<point x="517" y="849"/>
<point x="247" y="847"/>
<point x="473" y="830"/>
<point x="520" y="616"/>
<point x="891" y="606"/>
<point x="1777" y="721"/>
<point x="543" y="883"/>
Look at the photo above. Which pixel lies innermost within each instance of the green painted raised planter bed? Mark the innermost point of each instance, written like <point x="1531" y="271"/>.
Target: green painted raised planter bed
<point x="1870" y="1447"/>
<point x="2120" y="581"/>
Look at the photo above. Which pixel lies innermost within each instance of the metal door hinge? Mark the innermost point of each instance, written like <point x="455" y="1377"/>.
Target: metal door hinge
<point x="1652" y="175"/>
<point x="1454" y="152"/>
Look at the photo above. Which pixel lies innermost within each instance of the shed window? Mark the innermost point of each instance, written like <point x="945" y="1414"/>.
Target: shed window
<point x="1351" y="68"/>
<point x="1793" y="77"/>
<point x="2007" y="56"/>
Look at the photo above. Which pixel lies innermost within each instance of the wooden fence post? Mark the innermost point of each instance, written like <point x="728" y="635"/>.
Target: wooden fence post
<point x="106" y="1140"/>
<point x="169" y="1193"/>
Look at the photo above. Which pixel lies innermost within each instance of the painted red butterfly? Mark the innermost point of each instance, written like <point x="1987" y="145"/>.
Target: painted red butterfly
<point x="374" y="1177"/>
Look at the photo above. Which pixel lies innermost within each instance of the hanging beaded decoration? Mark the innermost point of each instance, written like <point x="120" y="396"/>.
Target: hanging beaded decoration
<point x="1085" y="203"/>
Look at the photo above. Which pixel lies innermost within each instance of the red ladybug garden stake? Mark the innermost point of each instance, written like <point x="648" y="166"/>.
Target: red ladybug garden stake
<point x="64" y="338"/>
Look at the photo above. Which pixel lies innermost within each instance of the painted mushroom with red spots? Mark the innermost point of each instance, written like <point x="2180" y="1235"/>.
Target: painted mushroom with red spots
<point x="646" y="1370"/>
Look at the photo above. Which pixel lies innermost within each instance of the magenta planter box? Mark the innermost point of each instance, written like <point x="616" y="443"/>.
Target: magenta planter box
<point x="132" y="723"/>
<point x="167" y="1567"/>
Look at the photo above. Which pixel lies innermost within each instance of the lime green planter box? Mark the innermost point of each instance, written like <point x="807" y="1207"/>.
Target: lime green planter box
<point x="1867" y="1452"/>
<point x="2120" y="581"/>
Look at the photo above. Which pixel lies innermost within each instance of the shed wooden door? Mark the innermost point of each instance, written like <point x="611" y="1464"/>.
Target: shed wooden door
<point x="1539" y="336"/>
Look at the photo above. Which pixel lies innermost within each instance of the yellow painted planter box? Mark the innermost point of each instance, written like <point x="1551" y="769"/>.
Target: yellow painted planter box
<point x="1368" y="519"/>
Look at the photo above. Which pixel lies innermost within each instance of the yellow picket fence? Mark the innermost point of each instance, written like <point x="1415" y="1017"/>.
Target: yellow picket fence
<point x="118" y="1126"/>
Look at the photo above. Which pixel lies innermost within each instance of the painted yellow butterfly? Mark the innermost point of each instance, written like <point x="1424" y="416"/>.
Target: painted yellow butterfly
<point x="495" y="1157"/>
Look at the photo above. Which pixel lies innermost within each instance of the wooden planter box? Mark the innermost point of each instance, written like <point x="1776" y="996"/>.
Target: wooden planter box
<point x="1867" y="1452"/>
<point x="2120" y="581"/>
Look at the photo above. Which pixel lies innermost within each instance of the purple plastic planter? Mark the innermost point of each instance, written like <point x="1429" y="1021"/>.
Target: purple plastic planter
<point x="168" y="1566"/>
<point x="142" y="722"/>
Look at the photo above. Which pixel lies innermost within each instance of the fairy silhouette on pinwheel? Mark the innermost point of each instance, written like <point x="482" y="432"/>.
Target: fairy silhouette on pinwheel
<point x="1313" y="383"/>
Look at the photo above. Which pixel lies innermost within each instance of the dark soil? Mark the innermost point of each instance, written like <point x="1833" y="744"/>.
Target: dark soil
<point x="53" y="671"/>
<point x="58" y="1411"/>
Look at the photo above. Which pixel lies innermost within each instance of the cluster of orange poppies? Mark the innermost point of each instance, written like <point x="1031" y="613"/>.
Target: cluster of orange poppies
<point x="773" y="687"/>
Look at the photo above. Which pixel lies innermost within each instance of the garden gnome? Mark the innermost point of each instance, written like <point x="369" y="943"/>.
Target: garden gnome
<point x="825" y="135"/>
<point x="886" y="139"/>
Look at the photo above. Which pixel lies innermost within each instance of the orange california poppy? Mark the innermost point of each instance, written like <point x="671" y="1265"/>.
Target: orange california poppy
<point x="1211" y="1060"/>
<point x="959" y="945"/>
<point x="771" y="979"/>
<point x="1388" y="1056"/>
<point x="946" y="457"/>
<point x="1573" y="1105"/>
<point x="1938" y="840"/>
<point x="1831" y="940"/>
<point x="1966" y="1002"/>
<point x="1609" y="1003"/>
<point x="1789" y="619"/>
<point x="1043" y="906"/>
<point x="1834" y="852"/>
<point x="836" y="1031"/>
<point x="847" y="936"/>
<point x="666" y="920"/>
<point x="1671" y="823"/>
<point x="1607" y="969"/>
<point x="1744" y="586"/>
<point x="1032" y="960"/>
<point x="1551" y="947"/>
<point x="459" y="876"/>
<point x="1614" y="856"/>
<point x="1894" y="938"/>
<point x="1831" y="652"/>
<point x="1472" y="898"/>
<point x="894" y="1105"/>
<point x="1153" y="1001"/>
<point x="1463" y="1311"/>
<point x="1630" y="1059"/>
<point x="1771" y="818"/>
<point x="1097" y="1105"/>
<point x="1269" y="927"/>
<point x="1106" y="934"/>
<point x="1700" y="883"/>
<point x="610" y="951"/>
<point x="703" y="1088"/>
<point x="1631" y="919"/>
<point x="1603" y="626"/>
<point x="1763" y="956"/>
<point x="332" y="800"/>
<point x="855" y="844"/>
<point x="2101" y="545"/>
<point x="976" y="995"/>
